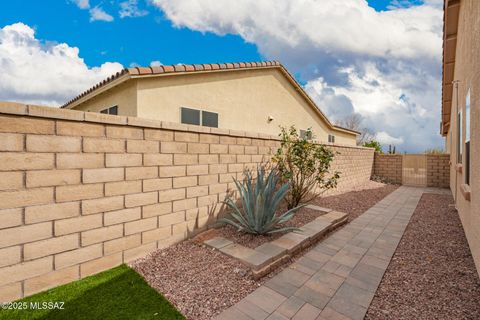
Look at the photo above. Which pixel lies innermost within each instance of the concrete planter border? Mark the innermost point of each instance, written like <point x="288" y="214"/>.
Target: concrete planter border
<point x="266" y="257"/>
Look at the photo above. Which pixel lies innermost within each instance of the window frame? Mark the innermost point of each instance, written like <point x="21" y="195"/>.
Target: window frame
<point x="201" y="113"/>
<point x="108" y="110"/>
<point x="467" y="137"/>
<point x="183" y="121"/>
<point x="204" y="112"/>
<point x="459" y="136"/>
<point x="303" y="134"/>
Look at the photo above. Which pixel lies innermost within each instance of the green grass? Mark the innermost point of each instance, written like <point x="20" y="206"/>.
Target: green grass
<point x="119" y="293"/>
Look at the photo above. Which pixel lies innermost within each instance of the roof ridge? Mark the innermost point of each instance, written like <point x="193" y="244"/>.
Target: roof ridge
<point x="176" y="68"/>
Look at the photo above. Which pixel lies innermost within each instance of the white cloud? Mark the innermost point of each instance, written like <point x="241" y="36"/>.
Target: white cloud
<point x="384" y="65"/>
<point x="387" y="102"/>
<point x="340" y="25"/>
<point x="155" y="63"/>
<point x="82" y="4"/>
<point x="98" y="14"/>
<point x="33" y="72"/>
<point x="130" y="9"/>
<point x="386" y="139"/>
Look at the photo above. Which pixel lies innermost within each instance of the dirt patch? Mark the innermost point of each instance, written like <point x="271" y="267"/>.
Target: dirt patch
<point x="201" y="282"/>
<point x="432" y="274"/>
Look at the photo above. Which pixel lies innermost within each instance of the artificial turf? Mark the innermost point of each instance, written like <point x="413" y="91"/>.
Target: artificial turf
<point x="119" y="293"/>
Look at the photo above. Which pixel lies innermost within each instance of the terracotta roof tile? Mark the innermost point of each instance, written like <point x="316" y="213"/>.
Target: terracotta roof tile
<point x="144" y="70"/>
<point x="241" y="64"/>
<point x="157" y="69"/>
<point x="133" y="70"/>
<point x="169" y="68"/>
<point x="207" y="66"/>
<point x="215" y="66"/>
<point x="229" y="65"/>
<point x="179" y="67"/>
<point x="199" y="67"/>
<point x="189" y="67"/>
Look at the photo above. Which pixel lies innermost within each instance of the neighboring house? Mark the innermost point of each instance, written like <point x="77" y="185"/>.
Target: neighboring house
<point x="461" y="112"/>
<point x="255" y="97"/>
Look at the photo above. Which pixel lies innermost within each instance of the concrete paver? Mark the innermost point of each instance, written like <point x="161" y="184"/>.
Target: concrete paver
<point x="336" y="279"/>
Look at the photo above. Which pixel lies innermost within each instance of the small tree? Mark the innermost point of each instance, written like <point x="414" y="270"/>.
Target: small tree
<point x="374" y="144"/>
<point x="304" y="165"/>
<point x="354" y="121"/>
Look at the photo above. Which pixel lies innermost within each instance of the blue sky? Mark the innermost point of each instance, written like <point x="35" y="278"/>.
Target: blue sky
<point x="379" y="60"/>
<point x="130" y="40"/>
<point x="126" y="40"/>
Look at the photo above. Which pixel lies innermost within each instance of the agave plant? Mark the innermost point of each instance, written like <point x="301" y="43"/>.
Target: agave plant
<point x="259" y="204"/>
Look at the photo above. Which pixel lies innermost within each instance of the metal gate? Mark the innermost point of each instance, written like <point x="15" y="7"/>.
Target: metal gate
<point x="414" y="171"/>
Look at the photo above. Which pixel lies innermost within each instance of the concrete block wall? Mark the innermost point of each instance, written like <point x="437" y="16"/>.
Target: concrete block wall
<point x="438" y="170"/>
<point x="388" y="166"/>
<point x="84" y="192"/>
<point x="355" y="165"/>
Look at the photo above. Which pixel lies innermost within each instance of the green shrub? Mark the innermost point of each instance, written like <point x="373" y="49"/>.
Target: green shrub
<point x="259" y="204"/>
<point x="305" y="165"/>
<point x="374" y="144"/>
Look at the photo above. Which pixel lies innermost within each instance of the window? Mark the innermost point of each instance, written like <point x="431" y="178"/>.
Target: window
<point x="190" y="116"/>
<point x="305" y="134"/>
<point x="467" y="138"/>
<point x="111" y="110"/>
<point x="195" y="117"/>
<point x="331" y="138"/>
<point x="459" y="137"/>
<point x="209" y="119"/>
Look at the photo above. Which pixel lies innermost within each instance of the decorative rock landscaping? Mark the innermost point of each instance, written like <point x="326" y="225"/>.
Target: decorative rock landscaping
<point x="202" y="282"/>
<point x="267" y="256"/>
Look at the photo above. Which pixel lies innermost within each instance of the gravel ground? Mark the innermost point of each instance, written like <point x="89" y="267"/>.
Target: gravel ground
<point x="354" y="203"/>
<point x="201" y="282"/>
<point x="358" y="200"/>
<point x="432" y="274"/>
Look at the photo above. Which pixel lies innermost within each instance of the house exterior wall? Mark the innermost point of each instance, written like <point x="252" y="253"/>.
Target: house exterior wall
<point x="81" y="192"/>
<point x="243" y="99"/>
<point x="124" y="96"/>
<point x="467" y="71"/>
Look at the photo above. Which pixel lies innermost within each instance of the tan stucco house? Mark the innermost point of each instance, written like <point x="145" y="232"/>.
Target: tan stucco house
<point x="255" y="97"/>
<point x="461" y="112"/>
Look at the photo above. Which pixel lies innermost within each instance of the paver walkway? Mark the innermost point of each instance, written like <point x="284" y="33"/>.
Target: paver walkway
<point x="336" y="279"/>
